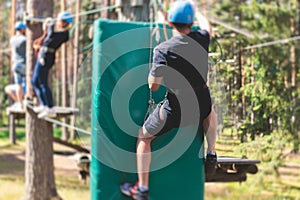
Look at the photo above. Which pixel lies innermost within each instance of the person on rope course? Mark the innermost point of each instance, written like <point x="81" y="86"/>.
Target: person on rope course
<point x="182" y="61"/>
<point x="18" y="48"/>
<point x="46" y="59"/>
<point x="37" y="43"/>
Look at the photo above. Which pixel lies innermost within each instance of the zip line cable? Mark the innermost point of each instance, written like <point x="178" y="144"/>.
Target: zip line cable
<point x="282" y="41"/>
<point x="42" y="19"/>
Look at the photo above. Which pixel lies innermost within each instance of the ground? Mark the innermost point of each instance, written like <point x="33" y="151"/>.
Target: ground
<point x="12" y="163"/>
<point x="263" y="185"/>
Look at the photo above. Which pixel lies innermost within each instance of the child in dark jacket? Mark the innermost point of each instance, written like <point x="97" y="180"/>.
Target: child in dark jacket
<point x="46" y="59"/>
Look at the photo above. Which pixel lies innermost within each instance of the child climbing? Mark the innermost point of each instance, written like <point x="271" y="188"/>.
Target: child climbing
<point x="18" y="47"/>
<point x="46" y="59"/>
<point x="182" y="62"/>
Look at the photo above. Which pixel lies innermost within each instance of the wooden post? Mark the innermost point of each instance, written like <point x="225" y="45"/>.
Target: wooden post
<point x="39" y="167"/>
<point x="105" y="13"/>
<point x="243" y="111"/>
<point x="252" y="81"/>
<point x="293" y="84"/>
<point x="64" y="77"/>
<point x="293" y="55"/>
<point x="13" y="17"/>
<point x="12" y="33"/>
<point x="75" y="65"/>
<point x="57" y="74"/>
<point x="12" y="129"/>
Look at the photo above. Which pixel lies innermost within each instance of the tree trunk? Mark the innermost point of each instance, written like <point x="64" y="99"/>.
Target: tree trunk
<point x="12" y="33"/>
<point x="293" y="84"/>
<point x="64" y="77"/>
<point x="39" y="172"/>
<point x="75" y="68"/>
<point x="40" y="180"/>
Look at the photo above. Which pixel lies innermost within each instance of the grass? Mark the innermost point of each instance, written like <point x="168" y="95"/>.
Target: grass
<point x="12" y="167"/>
<point x="266" y="184"/>
<point x="72" y="188"/>
<point x="6" y="185"/>
<point x="68" y="188"/>
<point x="261" y="186"/>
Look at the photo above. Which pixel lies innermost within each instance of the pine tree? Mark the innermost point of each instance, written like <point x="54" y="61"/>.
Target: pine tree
<point x="39" y="172"/>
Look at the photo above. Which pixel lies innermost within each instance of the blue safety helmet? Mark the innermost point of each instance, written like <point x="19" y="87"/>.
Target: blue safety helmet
<point x="181" y="12"/>
<point x="65" y="16"/>
<point x="20" y="25"/>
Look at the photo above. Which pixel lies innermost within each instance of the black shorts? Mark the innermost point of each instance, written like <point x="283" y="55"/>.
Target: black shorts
<point x="167" y="115"/>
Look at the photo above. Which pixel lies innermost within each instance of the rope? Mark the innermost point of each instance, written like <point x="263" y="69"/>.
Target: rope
<point x="57" y="122"/>
<point x="42" y="19"/>
<point x="151" y="101"/>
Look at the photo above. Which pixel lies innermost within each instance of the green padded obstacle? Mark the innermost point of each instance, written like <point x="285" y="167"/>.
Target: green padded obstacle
<point x="120" y="95"/>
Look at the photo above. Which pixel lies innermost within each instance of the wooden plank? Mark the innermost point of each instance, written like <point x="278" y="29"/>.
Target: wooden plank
<point x="15" y="111"/>
<point x="61" y="111"/>
<point x="234" y="160"/>
<point x="12" y="129"/>
<point x="221" y="176"/>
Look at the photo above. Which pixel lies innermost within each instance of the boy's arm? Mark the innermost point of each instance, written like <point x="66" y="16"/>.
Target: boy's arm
<point x="51" y="28"/>
<point x="204" y="23"/>
<point x="154" y="82"/>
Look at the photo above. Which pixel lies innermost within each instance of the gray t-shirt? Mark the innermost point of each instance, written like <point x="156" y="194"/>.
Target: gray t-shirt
<point x="182" y="60"/>
<point x="18" y="46"/>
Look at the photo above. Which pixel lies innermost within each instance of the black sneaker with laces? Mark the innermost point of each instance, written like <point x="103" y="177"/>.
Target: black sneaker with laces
<point x="211" y="164"/>
<point x="132" y="190"/>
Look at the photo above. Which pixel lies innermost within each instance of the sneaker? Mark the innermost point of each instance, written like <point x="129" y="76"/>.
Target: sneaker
<point x="27" y="102"/>
<point x="211" y="163"/>
<point x="132" y="190"/>
<point x="48" y="112"/>
<point x="17" y="105"/>
<point x="39" y="108"/>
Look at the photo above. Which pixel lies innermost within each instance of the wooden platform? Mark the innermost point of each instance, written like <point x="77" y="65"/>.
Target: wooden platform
<point x="232" y="169"/>
<point x="18" y="113"/>
<point x="60" y="111"/>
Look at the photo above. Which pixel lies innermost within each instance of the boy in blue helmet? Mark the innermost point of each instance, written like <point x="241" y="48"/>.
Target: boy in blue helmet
<point x="182" y="62"/>
<point x="18" y="48"/>
<point x="46" y="59"/>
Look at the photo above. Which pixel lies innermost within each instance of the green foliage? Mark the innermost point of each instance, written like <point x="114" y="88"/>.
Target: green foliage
<point x="84" y="97"/>
<point x="269" y="149"/>
<point x="267" y="18"/>
<point x="258" y="86"/>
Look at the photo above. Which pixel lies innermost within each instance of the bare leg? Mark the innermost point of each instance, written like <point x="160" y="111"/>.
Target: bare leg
<point x="11" y="94"/>
<point x="20" y="94"/>
<point x="143" y="151"/>
<point x="210" y="127"/>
